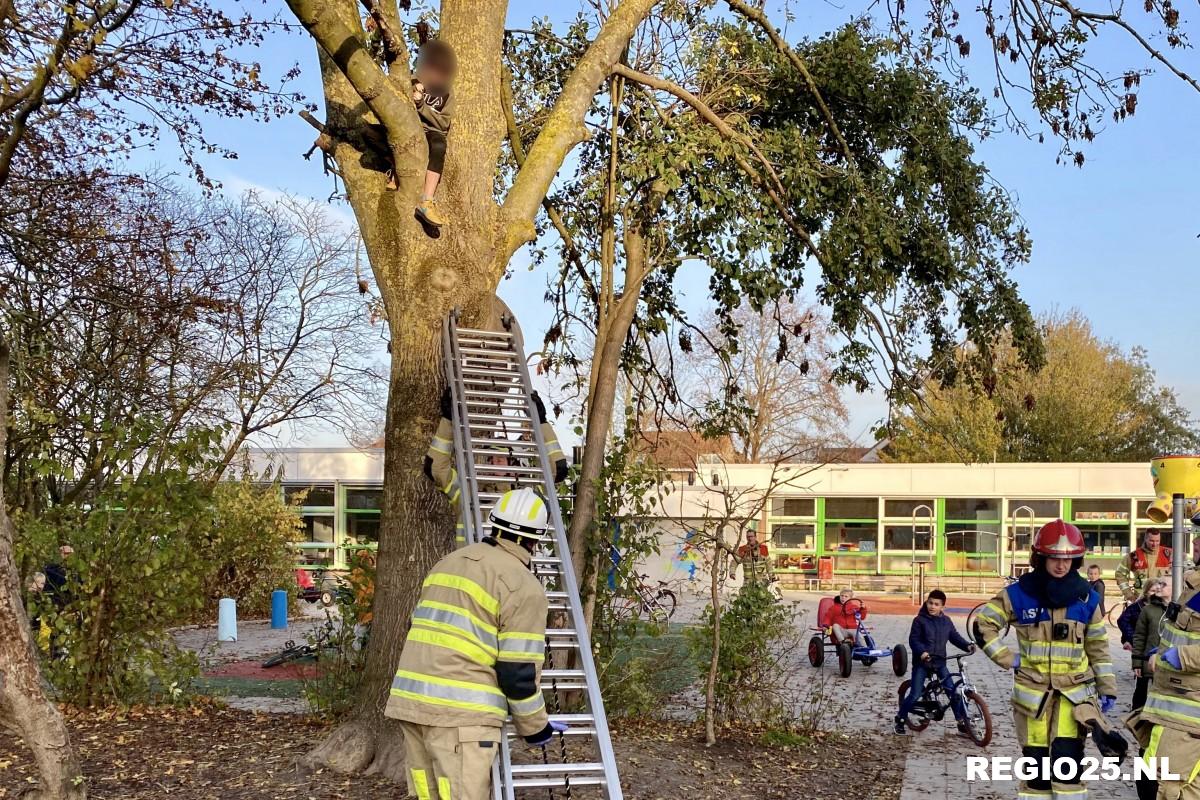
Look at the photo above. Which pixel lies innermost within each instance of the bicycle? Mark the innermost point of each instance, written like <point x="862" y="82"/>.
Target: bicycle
<point x="311" y="649"/>
<point x="1115" y="611"/>
<point x="935" y="702"/>
<point x="656" y="602"/>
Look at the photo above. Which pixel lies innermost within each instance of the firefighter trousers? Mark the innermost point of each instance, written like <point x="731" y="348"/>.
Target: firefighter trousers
<point x="1182" y="751"/>
<point x="1055" y="734"/>
<point x="449" y="763"/>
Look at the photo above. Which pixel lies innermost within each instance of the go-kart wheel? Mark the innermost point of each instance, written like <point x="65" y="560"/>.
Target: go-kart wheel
<point x="918" y="723"/>
<point x="816" y="651"/>
<point x="845" y="659"/>
<point x="900" y="660"/>
<point x="327" y="598"/>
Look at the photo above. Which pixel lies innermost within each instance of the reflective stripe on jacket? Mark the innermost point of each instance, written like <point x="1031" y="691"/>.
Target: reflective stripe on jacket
<point x="478" y="605"/>
<point x="1174" y="697"/>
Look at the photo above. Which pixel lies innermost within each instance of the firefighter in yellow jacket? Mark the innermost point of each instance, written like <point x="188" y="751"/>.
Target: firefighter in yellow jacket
<point x="439" y="460"/>
<point x="1168" y="726"/>
<point x="473" y="656"/>
<point x="1064" y="682"/>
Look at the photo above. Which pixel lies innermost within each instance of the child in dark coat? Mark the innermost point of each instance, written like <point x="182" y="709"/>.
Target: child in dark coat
<point x="931" y="630"/>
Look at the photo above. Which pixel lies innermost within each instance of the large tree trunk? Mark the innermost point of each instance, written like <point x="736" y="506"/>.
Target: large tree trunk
<point x="24" y="705"/>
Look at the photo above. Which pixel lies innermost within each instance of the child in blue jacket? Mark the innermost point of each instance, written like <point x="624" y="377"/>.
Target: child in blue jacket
<point x="931" y="630"/>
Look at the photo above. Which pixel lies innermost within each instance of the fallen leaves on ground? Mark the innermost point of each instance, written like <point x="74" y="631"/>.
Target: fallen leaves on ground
<point x="215" y="753"/>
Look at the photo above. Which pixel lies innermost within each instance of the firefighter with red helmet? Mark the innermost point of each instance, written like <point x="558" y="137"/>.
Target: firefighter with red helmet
<point x="1064" y="682"/>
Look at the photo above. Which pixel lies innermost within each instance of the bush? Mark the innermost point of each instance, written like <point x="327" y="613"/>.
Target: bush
<point x="136" y="571"/>
<point x="758" y="637"/>
<point x="248" y="550"/>
<point x="151" y="552"/>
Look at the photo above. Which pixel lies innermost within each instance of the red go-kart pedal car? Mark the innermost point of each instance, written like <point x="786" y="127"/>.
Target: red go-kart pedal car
<point x="863" y="649"/>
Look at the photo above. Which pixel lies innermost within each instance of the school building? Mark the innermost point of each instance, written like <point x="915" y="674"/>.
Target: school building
<point x="872" y="522"/>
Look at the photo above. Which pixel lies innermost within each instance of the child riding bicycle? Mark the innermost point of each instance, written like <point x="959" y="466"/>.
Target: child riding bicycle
<point x="931" y="630"/>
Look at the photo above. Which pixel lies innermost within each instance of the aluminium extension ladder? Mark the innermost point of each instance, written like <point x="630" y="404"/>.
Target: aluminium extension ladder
<point x="494" y="415"/>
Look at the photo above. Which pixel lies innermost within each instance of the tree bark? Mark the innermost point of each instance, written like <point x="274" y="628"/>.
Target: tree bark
<point x="24" y="704"/>
<point x="714" y="664"/>
<point x="421" y="279"/>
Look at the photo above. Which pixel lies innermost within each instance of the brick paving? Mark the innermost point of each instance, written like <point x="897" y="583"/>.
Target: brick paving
<point x="936" y="764"/>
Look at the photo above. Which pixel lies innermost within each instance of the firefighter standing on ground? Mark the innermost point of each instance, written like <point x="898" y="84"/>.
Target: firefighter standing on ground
<point x="474" y="655"/>
<point x="439" y="460"/>
<point x="1151" y="560"/>
<point x="1168" y="725"/>
<point x="755" y="561"/>
<point x="1064" y="680"/>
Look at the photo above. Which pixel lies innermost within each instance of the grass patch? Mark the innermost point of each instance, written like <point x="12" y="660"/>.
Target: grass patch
<point x="248" y="687"/>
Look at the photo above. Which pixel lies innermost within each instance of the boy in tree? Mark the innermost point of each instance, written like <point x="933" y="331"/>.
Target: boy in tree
<point x="434" y="73"/>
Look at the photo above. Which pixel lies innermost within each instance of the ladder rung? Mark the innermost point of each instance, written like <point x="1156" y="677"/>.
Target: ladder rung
<point x="506" y="471"/>
<point x="500" y="444"/>
<point x="558" y="783"/>
<point x="561" y="632"/>
<point x="495" y="395"/>
<point x="491" y="373"/>
<point x="486" y="351"/>
<point x="508" y="419"/>
<point x="480" y="332"/>
<point x="587" y="768"/>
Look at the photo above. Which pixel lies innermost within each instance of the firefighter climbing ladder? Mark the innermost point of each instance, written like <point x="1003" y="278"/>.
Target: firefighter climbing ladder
<point x="494" y="418"/>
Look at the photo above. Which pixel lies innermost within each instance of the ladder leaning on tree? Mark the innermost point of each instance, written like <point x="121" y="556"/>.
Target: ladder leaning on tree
<point x="494" y="417"/>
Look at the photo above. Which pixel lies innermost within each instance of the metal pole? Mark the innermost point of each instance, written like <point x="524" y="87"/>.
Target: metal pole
<point x="1177" y="551"/>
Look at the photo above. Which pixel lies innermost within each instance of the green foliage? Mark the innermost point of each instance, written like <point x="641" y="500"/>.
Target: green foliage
<point x="1091" y="402"/>
<point x="644" y="670"/>
<point x="756" y="630"/>
<point x="247" y="551"/>
<point x="137" y="570"/>
<point x="152" y="552"/>
<point x="895" y="227"/>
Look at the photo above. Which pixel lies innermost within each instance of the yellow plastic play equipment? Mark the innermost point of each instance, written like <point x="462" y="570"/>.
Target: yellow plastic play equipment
<point x="1173" y="475"/>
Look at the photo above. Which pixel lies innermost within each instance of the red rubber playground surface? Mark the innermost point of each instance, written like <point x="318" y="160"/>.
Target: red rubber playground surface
<point x="254" y="670"/>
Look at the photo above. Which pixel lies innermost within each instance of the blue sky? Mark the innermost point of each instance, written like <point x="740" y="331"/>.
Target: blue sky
<point x="1116" y="239"/>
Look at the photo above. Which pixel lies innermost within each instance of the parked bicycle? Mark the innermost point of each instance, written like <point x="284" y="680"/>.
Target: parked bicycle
<point x="657" y="603"/>
<point x="935" y="702"/>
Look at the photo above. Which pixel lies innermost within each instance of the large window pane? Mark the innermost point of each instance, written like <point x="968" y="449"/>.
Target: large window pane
<point x="851" y="508"/>
<point x="1100" y="509"/>
<point x="972" y="508"/>
<point x="318" y="529"/>
<point x="905" y="508"/>
<point x="319" y="495"/>
<point x="845" y="563"/>
<point x="364" y="499"/>
<point x="900" y="537"/>
<point x="315" y="556"/>
<point x="794" y="537"/>
<point x="1110" y="540"/>
<point x="850" y="535"/>
<point x="959" y="562"/>
<point x="362" y="529"/>
<point x="967" y="538"/>
<point x="793" y="507"/>
<point x="1042" y="509"/>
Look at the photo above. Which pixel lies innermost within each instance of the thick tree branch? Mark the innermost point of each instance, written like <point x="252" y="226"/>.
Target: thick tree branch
<point x="759" y="18"/>
<point x="345" y="48"/>
<point x="393" y="45"/>
<point x="564" y="126"/>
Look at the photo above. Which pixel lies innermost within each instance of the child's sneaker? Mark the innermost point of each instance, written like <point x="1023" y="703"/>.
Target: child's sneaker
<point x="428" y="212"/>
<point x="899" y="725"/>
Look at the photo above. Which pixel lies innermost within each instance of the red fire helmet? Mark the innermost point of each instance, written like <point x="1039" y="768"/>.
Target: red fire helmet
<point x="1059" y="539"/>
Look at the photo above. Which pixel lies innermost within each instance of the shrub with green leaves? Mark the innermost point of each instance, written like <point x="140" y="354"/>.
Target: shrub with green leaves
<point x="757" y="632"/>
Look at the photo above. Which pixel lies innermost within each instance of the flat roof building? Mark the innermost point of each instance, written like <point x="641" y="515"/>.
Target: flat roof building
<point x="869" y="519"/>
